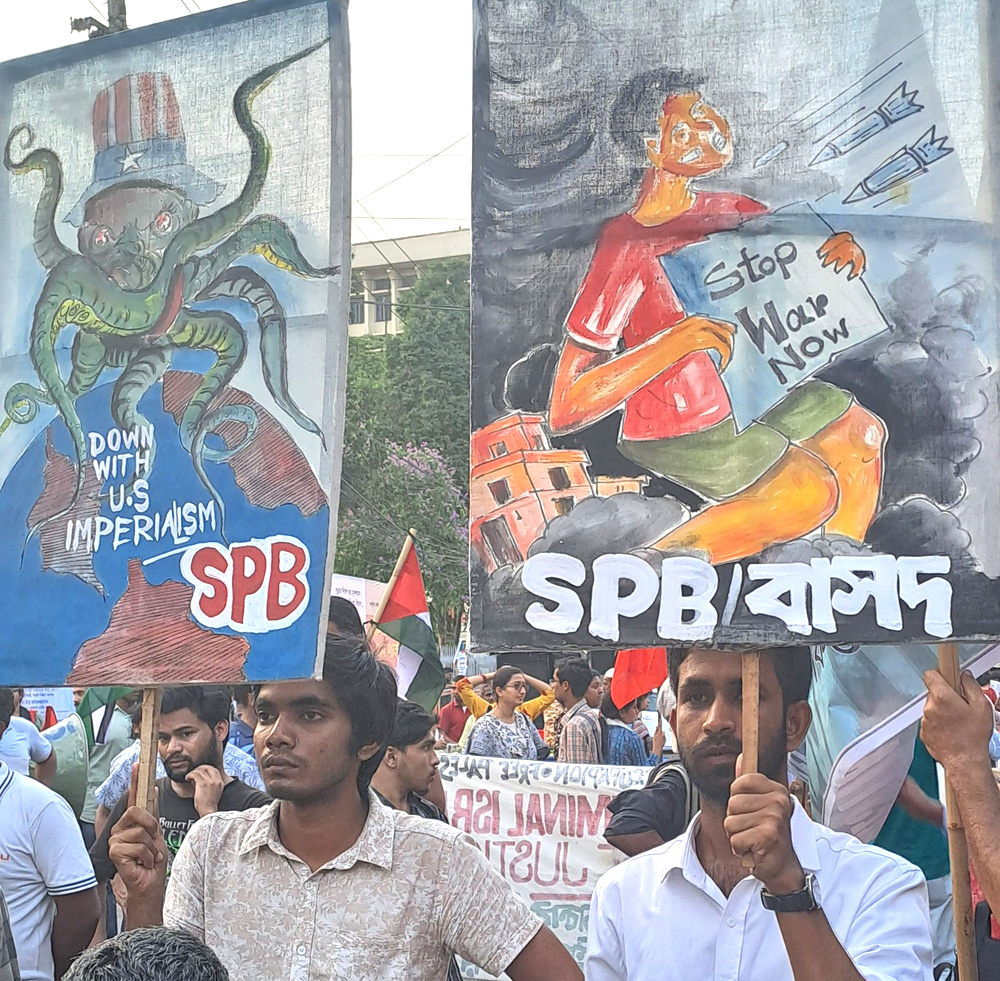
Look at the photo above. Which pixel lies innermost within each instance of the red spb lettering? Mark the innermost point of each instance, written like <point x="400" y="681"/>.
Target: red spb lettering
<point x="292" y="576"/>
<point x="252" y="587"/>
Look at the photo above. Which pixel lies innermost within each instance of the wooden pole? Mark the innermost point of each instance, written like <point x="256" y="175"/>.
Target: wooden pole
<point x="958" y="847"/>
<point x="149" y="729"/>
<point x="751" y="723"/>
<point x="404" y="553"/>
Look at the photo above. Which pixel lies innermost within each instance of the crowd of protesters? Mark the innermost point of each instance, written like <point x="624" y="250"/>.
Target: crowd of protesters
<point x="300" y="830"/>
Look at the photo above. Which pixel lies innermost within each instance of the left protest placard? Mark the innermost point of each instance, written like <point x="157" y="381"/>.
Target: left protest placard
<point x="173" y="346"/>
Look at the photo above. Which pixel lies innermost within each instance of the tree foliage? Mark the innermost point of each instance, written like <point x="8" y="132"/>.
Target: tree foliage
<point x="406" y="445"/>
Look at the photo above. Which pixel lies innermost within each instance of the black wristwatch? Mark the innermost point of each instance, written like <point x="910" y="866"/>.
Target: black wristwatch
<point x="801" y="901"/>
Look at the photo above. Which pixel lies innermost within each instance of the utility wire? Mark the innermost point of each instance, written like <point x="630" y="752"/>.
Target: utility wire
<point x="406" y="173"/>
<point x="387" y="235"/>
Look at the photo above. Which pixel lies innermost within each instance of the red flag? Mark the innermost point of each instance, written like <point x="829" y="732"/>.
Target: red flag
<point x="637" y="673"/>
<point x="50" y="717"/>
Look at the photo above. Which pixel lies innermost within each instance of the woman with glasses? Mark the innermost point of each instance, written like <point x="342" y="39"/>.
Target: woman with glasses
<point x="504" y="731"/>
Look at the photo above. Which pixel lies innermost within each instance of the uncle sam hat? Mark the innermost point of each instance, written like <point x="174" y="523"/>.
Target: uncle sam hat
<point x="138" y="139"/>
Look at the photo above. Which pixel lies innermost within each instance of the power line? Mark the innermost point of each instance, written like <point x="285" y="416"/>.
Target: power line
<point x="387" y="235"/>
<point x="406" y="173"/>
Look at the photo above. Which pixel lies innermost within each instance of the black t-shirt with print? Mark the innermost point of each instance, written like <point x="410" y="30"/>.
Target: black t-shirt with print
<point x="177" y="815"/>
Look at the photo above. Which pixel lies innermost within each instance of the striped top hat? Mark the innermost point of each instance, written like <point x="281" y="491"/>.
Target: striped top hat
<point x="138" y="139"/>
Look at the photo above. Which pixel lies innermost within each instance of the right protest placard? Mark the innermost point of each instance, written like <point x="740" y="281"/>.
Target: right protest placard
<point x="734" y="326"/>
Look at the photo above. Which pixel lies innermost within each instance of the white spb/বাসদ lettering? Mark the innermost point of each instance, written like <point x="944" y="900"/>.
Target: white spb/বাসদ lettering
<point x="687" y="586"/>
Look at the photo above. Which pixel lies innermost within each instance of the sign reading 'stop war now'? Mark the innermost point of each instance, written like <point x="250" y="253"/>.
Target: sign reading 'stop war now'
<point x="173" y="234"/>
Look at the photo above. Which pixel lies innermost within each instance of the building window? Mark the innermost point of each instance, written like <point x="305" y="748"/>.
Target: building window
<point x="564" y="505"/>
<point x="406" y="282"/>
<point x="498" y="449"/>
<point x="356" y="311"/>
<point x="383" y="301"/>
<point x="559" y="478"/>
<point x="539" y="442"/>
<point x="500" y="490"/>
<point x="500" y="542"/>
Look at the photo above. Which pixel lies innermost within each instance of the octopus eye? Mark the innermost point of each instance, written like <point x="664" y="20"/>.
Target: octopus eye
<point x="102" y="237"/>
<point x="164" y="222"/>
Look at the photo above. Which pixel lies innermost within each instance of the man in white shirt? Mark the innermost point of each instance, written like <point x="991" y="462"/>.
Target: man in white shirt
<point x="327" y="882"/>
<point x="45" y="872"/>
<point x="22" y="744"/>
<point x="819" y="904"/>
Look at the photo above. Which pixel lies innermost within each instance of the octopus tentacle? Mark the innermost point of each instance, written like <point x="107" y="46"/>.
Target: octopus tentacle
<point x="221" y="334"/>
<point x="242" y="283"/>
<point x="48" y="247"/>
<point x="207" y="231"/>
<point x="263" y="235"/>
<point x="142" y="372"/>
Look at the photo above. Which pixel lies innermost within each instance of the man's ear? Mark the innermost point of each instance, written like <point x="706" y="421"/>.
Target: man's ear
<point x="797" y="720"/>
<point x="366" y="752"/>
<point x="391" y="758"/>
<point x="222" y="730"/>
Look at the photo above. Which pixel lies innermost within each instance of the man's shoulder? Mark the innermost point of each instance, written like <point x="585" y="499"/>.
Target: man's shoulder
<point x="225" y="827"/>
<point x="854" y="858"/>
<point x="28" y="798"/>
<point x="643" y="870"/>
<point x="413" y="831"/>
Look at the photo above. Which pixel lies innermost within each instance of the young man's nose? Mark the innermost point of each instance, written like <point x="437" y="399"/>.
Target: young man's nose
<point x="721" y="717"/>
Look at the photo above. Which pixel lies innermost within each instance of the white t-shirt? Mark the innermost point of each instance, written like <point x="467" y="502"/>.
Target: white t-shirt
<point x="22" y="743"/>
<point x="660" y="916"/>
<point x="41" y="855"/>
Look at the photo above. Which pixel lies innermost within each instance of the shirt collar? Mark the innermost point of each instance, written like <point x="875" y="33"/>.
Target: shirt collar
<point x="580" y="706"/>
<point x="6" y="777"/>
<point x="374" y="845"/>
<point x="686" y="857"/>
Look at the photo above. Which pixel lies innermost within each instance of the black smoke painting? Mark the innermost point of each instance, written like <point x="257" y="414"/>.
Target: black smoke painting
<point x="734" y="325"/>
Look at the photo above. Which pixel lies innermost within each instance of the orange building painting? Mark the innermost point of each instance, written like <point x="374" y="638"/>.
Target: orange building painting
<point x="520" y="482"/>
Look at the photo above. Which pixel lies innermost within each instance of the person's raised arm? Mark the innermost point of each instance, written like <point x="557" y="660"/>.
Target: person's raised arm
<point x="45" y="771"/>
<point x="758" y="823"/>
<point x="590" y="384"/>
<point x="956" y="731"/>
<point x="139" y="853"/>
<point x="540" y="686"/>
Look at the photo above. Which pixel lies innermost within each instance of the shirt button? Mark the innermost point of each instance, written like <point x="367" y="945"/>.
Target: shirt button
<point x="731" y="922"/>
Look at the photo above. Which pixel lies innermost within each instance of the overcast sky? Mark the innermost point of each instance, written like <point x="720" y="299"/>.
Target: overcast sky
<point x="411" y="76"/>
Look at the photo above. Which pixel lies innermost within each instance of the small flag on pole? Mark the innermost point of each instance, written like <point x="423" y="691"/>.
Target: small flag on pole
<point x="96" y="708"/>
<point x="403" y="616"/>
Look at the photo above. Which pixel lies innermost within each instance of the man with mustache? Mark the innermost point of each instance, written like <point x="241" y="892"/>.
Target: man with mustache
<point x="328" y="882"/>
<point x="194" y="728"/>
<point x="817" y="905"/>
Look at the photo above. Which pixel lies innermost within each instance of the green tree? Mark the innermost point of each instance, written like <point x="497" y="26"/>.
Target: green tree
<point x="406" y="445"/>
<point x="429" y="363"/>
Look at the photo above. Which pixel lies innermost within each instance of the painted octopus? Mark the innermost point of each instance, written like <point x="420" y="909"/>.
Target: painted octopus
<point x="130" y="297"/>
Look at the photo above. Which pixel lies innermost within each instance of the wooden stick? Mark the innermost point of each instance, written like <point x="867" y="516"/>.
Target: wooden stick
<point x="149" y="729"/>
<point x="751" y="723"/>
<point x="958" y="847"/>
<point x="404" y="553"/>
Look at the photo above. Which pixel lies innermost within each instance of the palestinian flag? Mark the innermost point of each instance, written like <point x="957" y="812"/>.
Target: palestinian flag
<point x="419" y="673"/>
<point x="96" y="708"/>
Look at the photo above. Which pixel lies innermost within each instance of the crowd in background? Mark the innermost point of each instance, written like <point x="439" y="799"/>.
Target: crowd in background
<point x="291" y="818"/>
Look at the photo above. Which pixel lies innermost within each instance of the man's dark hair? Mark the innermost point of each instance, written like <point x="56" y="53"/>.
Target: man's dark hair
<point x="241" y="693"/>
<point x="149" y="954"/>
<point x="345" y="617"/>
<point x="210" y="703"/>
<point x="792" y="665"/>
<point x="577" y="672"/>
<point x="411" y="726"/>
<point x="608" y="708"/>
<point x="365" y="688"/>
<point x="6" y="706"/>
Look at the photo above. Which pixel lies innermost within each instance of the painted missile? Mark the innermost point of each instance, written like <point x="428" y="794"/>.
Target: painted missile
<point x="907" y="163"/>
<point x="898" y="106"/>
